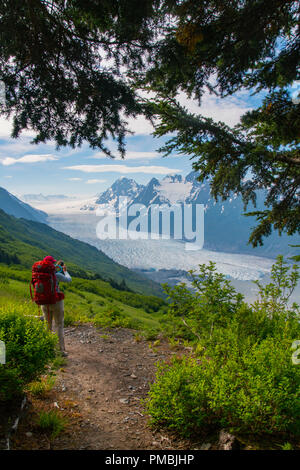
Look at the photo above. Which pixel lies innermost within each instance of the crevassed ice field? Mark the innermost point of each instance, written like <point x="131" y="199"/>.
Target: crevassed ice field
<point x="151" y="256"/>
<point x="171" y="254"/>
<point x="154" y="255"/>
<point x="160" y="254"/>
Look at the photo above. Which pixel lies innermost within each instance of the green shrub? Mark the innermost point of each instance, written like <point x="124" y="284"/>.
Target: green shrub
<point x="287" y="446"/>
<point x="150" y="334"/>
<point x="3" y="281"/>
<point x="29" y="347"/>
<point x="240" y="375"/>
<point x="257" y="392"/>
<point x="113" y="317"/>
<point x="41" y="387"/>
<point x="175" y="399"/>
<point x="212" y="302"/>
<point x="52" y="422"/>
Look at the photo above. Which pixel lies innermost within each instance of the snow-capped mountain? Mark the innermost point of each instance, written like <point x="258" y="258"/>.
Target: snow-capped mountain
<point x="121" y="187"/>
<point x="14" y="206"/>
<point x="225" y="226"/>
<point x="150" y="194"/>
<point x="170" y="190"/>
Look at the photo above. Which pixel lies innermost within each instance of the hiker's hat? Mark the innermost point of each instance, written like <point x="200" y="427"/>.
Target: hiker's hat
<point x="50" y="259"/>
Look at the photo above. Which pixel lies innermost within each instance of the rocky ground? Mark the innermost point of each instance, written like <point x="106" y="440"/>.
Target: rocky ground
<point x="100" y="391"/>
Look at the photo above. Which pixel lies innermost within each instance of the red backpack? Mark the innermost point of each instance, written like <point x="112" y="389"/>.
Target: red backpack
<point x="44" y="283"/>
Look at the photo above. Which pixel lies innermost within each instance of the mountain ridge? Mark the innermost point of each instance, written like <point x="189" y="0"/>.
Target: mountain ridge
<point x="14" y="206"/>
<point x="226" y="228"/>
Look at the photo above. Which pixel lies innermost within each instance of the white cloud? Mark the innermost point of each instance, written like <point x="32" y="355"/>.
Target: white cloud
<point x="131" y="155"/>
<point x="74" y="179"/>
<point x="34" y="158"/>
<point x="16" y="147"/>
<point x="140" y="126"/>
<point x="93" y="181"/>
<point x="158" y="170"/>
<point x="228" y="110"/>
<point x="6" y="127"/>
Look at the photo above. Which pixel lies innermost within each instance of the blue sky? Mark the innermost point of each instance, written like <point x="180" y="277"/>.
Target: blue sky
<point x="27" y="168"/>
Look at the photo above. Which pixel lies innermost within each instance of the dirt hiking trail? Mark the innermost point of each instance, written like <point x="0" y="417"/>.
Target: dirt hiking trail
<point x="99" y="392"/>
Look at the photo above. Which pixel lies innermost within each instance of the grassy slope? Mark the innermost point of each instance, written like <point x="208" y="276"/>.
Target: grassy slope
<point x="31" y="241"/>
<point x="89" y="301"/>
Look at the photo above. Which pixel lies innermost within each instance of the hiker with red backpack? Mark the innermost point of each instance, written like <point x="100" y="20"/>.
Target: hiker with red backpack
<point x="46" y="275"/>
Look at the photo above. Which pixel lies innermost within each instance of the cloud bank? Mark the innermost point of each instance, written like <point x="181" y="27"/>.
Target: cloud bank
<point x="34" y="158"/>
<point x="157" y="170"/>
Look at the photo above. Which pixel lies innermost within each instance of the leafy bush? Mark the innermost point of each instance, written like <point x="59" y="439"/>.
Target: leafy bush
<point x="29" y="347"/>
<point x="175" y="399"/>
<point x="240" y="375"/>
<point x="113" y="317"/>
<point x="212" y="303"/>
<point x="257" y="392"/>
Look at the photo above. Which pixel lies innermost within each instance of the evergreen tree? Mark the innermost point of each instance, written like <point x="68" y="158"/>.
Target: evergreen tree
<point x="72" y="70"/>
<point x="228" y="46"/>
<point x="62" y="65"/>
